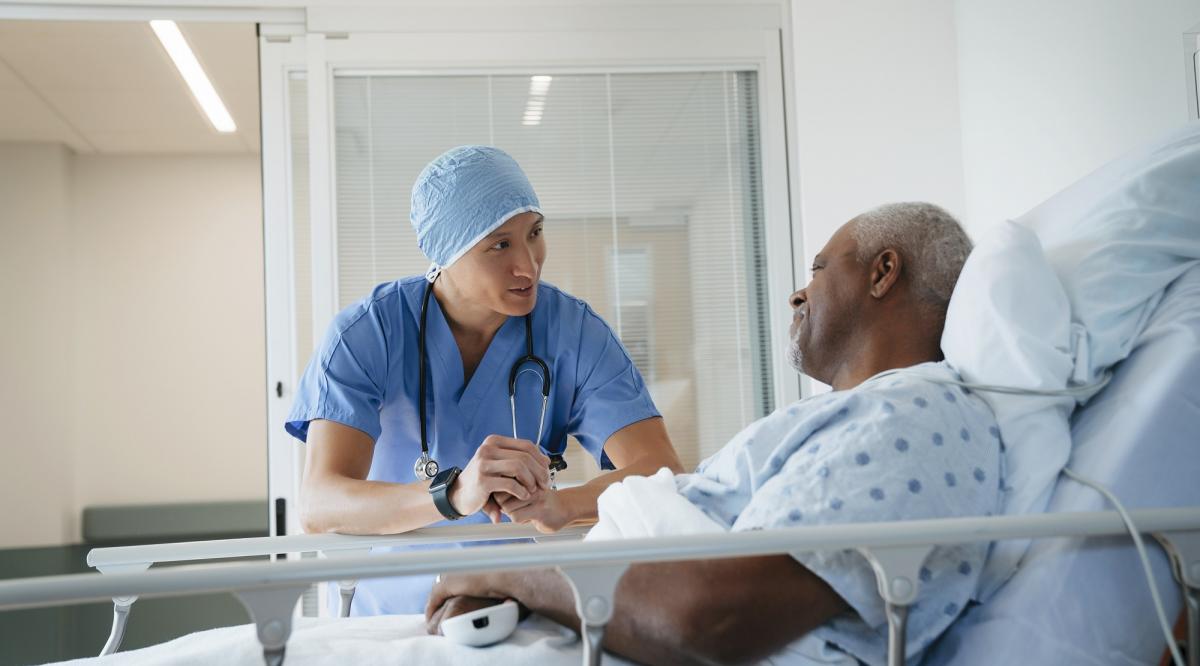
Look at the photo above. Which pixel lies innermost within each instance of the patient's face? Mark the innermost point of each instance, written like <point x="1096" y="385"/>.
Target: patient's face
<point x="825" y="310"/>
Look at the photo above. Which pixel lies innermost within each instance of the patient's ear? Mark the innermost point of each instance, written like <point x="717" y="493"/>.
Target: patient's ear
<point x="885" y="272"/>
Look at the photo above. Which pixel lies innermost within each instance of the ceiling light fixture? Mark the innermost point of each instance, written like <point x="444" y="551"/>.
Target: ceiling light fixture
<point x="193" y="74"/>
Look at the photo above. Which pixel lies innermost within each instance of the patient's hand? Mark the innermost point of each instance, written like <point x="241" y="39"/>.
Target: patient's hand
<point x="455" y="606"/>
<point x="545" y="510"/>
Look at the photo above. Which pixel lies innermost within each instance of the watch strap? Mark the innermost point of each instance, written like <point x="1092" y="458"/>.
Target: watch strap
<point x="441" y="499"/>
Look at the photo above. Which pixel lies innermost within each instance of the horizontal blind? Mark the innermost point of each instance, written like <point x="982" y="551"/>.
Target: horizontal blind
<point x="652" y="192"/>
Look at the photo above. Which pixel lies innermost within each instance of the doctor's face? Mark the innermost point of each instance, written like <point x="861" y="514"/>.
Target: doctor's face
<point x="501" y="272"/>
<point x="825" y="310"/>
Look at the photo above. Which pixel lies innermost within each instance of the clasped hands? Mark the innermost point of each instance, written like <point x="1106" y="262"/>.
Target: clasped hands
<point x="510" y="477"/>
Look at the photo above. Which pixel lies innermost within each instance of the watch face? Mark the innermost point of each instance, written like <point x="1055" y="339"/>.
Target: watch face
<point x="444" y="477"/>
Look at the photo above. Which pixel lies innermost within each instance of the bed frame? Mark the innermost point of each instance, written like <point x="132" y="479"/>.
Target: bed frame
<point x="270" y="590"/>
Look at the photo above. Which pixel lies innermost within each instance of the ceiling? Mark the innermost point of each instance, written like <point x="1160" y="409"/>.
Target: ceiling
<point x="110" y="88"/>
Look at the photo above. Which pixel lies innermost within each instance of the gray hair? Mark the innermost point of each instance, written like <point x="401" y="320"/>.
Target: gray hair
<point x="931" y="242"/>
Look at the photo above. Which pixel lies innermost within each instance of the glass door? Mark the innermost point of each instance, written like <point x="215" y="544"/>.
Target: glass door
<point x="659" y="160"/>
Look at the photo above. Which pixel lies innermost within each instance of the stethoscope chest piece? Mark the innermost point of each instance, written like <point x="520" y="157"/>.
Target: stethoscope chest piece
<point x="425" y="467"/>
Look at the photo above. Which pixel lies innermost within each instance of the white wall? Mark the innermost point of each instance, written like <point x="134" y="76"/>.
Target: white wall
<point x="36" y="351"/>
<point x="1052" y="90"/>
<point x="876" y="115"/>
<point x="132" y="347"/>
<point x="877" y="120"/>
<point x="986" y="108"/>
<point x="171" y="251"/>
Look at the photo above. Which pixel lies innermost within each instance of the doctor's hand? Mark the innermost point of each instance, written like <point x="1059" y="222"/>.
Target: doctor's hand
<point x="547" y="511"/>
<point x="502" y="467"/>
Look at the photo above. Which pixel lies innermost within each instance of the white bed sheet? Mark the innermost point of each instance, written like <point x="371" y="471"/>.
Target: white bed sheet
<point x="363" y="641"/>
<point x="1085" y="601"/>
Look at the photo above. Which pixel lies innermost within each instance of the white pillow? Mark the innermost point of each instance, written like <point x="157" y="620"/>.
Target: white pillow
<point x="1084" y="601"/>
<point x="1118" y="237"/>
<point x="1009" y="324"/>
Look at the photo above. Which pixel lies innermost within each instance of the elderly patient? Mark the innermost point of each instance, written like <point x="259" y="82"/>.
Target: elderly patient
<point x="893" y="448"/>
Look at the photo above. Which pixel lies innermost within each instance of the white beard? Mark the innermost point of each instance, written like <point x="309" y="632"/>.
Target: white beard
<point x="794" y="356"/>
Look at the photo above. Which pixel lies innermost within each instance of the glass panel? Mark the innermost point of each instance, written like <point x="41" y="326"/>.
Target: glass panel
<point x="652" y="192"/>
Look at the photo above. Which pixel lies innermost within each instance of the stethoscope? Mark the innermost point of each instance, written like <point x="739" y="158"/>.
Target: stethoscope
<point x="425" y="467"/>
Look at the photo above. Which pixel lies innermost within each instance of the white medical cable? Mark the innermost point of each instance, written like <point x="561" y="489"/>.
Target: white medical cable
<point x="1141" y="551"/>
<point x="1074" y="391"/>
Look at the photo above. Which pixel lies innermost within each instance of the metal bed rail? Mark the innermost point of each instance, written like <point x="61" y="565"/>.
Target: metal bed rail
<point x="122" y="556"/>
<point x="896" y="551"/>
<point x="124" y="559"/>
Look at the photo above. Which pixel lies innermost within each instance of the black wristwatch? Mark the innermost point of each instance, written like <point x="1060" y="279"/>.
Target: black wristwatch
<point x="439" y="487"/>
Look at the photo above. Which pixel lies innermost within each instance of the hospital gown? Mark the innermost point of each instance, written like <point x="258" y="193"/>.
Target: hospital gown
<point x="893" y="448"/>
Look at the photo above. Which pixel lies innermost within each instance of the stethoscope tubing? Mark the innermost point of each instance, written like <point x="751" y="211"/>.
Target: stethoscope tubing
<point x="513" y="374"/>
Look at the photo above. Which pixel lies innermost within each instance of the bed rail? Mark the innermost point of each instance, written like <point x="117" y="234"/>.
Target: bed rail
<point x="124" y="559"/>
<point x="270" y="589"/>
<point x="121" y="556"/>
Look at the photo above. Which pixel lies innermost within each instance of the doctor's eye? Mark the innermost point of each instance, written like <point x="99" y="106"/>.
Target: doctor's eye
<point x="499" y="245"/>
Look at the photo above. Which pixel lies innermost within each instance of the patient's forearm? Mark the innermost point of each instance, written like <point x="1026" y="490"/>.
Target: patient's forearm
<point x="649" y="621"/>
<point x="714" y="611"/>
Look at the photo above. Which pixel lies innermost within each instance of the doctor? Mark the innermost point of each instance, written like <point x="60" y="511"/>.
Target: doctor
<point x="490" y="349"/>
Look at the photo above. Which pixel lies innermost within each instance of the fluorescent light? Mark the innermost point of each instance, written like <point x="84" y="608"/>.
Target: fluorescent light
<point x="538" y="87"/>
<point x="193" y="74"/>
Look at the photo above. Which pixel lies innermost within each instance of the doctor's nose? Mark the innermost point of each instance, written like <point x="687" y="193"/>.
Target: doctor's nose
<point x="526" y="265"/>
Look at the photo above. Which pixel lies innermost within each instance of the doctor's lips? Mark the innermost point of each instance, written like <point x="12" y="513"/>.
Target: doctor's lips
<point x="522" y="291"/>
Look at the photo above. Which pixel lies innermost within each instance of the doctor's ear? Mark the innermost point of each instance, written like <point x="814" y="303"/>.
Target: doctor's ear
<point x="885" y="272"/>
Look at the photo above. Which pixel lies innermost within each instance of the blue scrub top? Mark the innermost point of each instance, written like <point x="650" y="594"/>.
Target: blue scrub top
<point x="366" y="375"/>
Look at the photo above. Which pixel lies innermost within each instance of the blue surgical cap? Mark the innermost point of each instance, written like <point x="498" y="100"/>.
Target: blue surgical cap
<point x="464" y="195"/>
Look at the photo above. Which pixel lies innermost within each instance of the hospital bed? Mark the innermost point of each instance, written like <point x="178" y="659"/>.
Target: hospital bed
<point x="1078" y="597"/>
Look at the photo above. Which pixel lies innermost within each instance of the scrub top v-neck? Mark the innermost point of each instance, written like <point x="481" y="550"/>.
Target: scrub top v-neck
<point x="365" y="375"/>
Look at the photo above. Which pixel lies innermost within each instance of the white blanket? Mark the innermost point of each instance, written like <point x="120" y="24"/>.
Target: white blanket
<point x="648" y="506"/>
